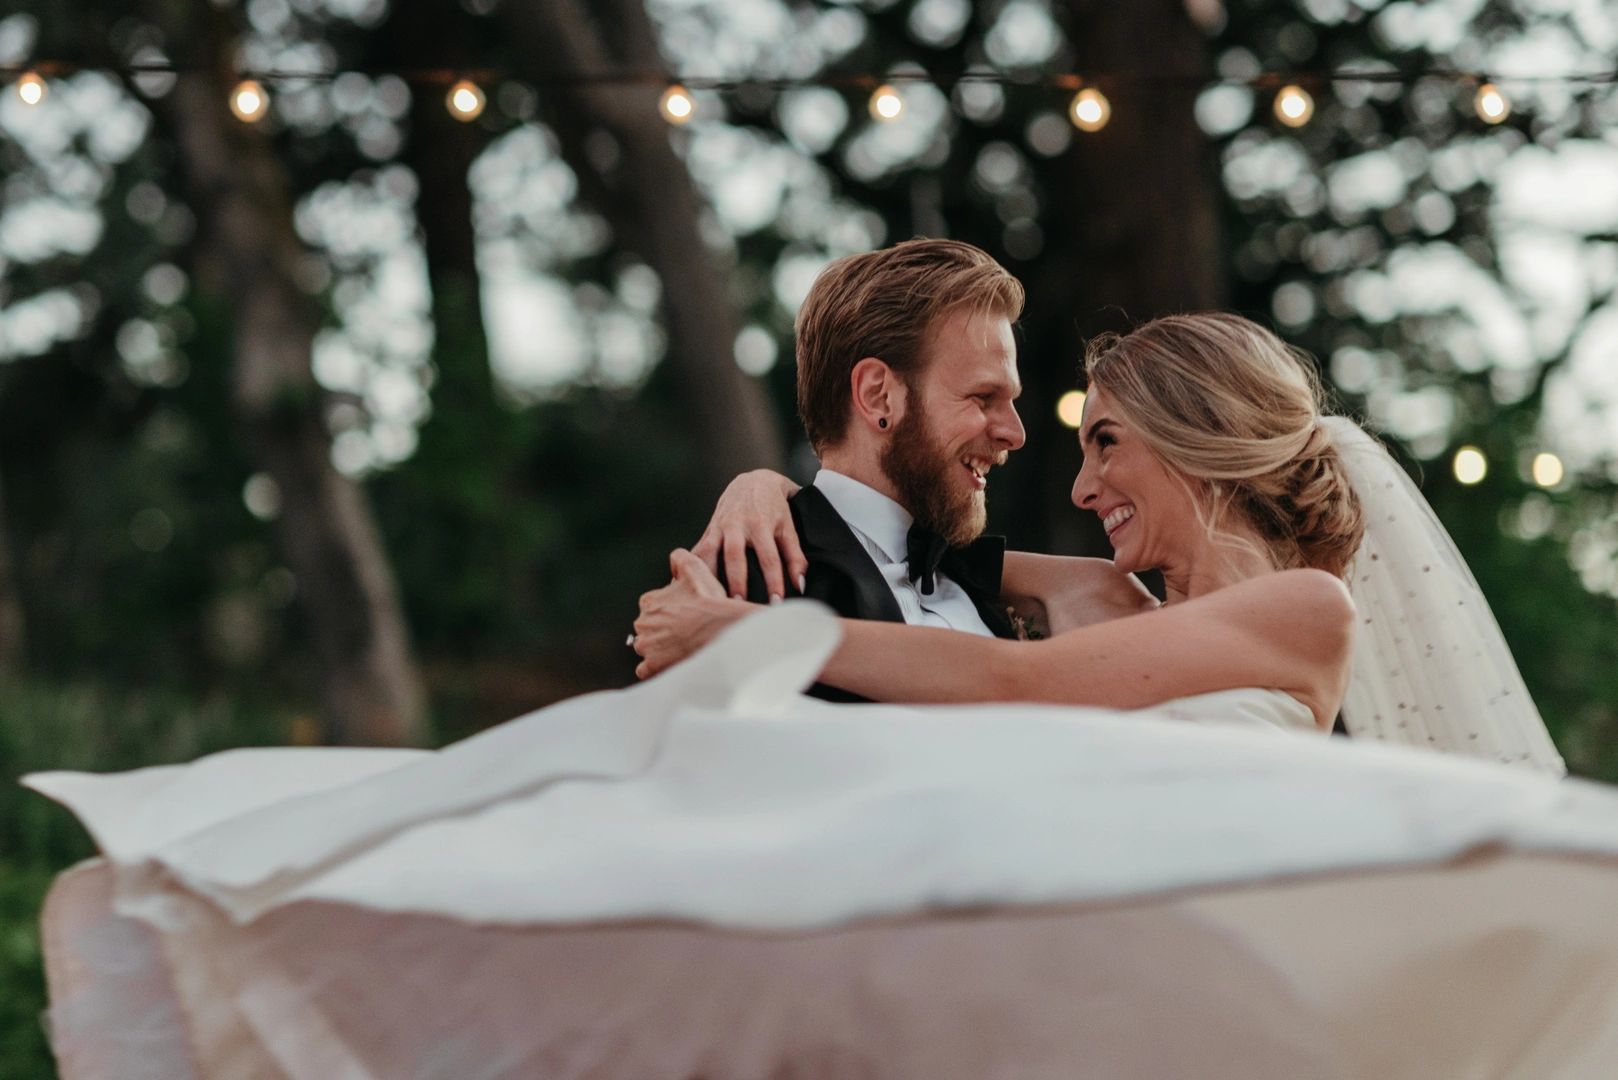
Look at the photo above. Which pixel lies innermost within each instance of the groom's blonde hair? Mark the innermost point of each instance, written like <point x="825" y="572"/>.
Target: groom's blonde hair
<point x="1222" y="400"/>
<point x="886" y="304"/>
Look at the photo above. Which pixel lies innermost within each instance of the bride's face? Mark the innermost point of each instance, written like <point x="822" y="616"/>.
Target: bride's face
<point x="1145" y="508"/>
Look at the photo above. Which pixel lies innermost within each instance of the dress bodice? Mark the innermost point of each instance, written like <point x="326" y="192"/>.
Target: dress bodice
<point x="1246" y="707"/>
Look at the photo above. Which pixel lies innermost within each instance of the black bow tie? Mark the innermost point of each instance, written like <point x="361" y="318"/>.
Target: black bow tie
<point x="976" y="566"/>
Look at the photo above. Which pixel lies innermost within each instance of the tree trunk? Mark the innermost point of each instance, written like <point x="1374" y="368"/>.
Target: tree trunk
<point x="11" y="619"/>
<point x="247" y="255"/>
<point x="655" y="211"/>
<point x="440" y="150"/>
<point x="1133" y="227"/>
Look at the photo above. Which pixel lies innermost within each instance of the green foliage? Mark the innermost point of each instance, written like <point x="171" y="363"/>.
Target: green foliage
<point x="24" y="1053"/>
<point x="94" y="727"/>
<point x="1559" y="632"/>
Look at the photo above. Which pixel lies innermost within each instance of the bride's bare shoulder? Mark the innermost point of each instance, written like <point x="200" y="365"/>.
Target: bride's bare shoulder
<point x="1305" y="585"/>
<point x="1307" y="602"/>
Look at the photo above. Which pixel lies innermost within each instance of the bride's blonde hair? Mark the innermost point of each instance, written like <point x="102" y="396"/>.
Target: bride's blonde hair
<point x="1224" y="401"/>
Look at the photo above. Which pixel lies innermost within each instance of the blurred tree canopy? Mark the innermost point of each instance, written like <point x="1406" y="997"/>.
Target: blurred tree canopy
<point x="363" y="398"/>
<point x="365" y="423"/>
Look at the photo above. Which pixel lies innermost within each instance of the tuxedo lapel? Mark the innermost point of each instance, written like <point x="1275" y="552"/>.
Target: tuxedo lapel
<point x="994" y="617"/>
<point x="841" y="572"/>
<point x="992" y="612"/>
<point x="978" y="575"/>
<point x="843" y="575"/>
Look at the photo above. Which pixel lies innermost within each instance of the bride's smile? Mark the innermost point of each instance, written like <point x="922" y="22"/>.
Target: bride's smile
<point x="1140" y="503"/>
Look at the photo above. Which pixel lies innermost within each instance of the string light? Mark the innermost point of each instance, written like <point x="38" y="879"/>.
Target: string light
<point x="249" y="101"/>
<point x="1492" y="106"/>
<point x="1294" y="106"/>
<point x="1090" y="110"/>
<point x="1470" y="465"/>
<point x="1070" y="408"/>
<point x="886" y="104"/>
<point x="677" y="105"/>
<point x="465" y="100"/>
<point x="1548" y="470"/>
<point x="31" y="88"/>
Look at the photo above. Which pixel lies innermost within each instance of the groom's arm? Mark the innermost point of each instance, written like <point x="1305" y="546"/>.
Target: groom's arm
<point x="1072" y="591"/>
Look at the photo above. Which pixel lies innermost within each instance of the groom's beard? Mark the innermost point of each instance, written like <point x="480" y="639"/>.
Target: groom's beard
<point x="923" y="473"/>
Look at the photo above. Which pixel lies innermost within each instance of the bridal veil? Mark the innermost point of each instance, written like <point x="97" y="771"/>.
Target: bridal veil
<point x="1430" y="667"/>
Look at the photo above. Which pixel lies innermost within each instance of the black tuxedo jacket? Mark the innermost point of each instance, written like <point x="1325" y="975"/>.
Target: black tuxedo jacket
<point x="844" y="577"/>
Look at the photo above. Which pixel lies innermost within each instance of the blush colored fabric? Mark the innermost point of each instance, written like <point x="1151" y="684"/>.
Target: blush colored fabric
<point x="1494" y="966"/>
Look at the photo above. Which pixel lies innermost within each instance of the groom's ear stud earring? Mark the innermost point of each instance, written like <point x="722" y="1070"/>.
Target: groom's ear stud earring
<point x="882" y="422"/>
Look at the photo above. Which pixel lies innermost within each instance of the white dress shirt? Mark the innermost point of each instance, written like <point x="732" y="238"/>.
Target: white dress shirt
<point x="882" y="527"/>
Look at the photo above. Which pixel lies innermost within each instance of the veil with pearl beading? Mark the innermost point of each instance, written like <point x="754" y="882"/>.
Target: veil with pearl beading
<point x="1430" y="666"/>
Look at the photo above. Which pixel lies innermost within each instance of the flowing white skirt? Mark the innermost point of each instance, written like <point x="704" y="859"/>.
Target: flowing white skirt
<point x="710" y="876"/>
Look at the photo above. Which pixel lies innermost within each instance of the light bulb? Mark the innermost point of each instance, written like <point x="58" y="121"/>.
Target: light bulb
<point x="465" y="100"/>
<point x="31" y="88"/>
<point x="1294" y="106"/>
<point x="886" y="104"/>
<point x="1090" y="110"/>
<point x="249" y="101"/>
<point x="677" y="105"/>
<point x="1492" y="106"/>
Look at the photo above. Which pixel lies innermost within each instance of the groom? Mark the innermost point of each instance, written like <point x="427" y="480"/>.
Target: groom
<point x="907" y="374"/>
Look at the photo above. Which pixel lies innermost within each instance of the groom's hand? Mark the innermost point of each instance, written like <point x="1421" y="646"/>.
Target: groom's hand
<point x="753" y="513"/>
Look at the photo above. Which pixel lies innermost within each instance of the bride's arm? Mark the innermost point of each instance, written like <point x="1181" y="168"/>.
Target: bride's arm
<point x="1063" y="593"/>
<point x="1289" y="631"/>
<point x="1056" y="593"/>
<point x="752" y="513"/>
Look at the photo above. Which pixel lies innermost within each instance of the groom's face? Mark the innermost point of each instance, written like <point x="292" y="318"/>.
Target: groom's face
<point x="958" y="422"/>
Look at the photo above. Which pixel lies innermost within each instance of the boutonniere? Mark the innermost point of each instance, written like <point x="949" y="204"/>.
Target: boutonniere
<point x="1023" y="626"/>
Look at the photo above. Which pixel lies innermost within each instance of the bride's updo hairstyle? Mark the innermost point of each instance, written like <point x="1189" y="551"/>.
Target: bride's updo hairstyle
<point x="1224" y="401"/>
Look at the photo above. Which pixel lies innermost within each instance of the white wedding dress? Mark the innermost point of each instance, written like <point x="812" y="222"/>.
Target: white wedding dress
<point x="709" y="875"/>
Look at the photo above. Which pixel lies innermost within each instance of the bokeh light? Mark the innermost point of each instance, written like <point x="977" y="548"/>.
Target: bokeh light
<point x="1294" y="106"/>
<point x="1492" y="106"/>
<point x="886" y="104"/>
<point x="1548" y="470"/>
<point x="1470" y="465"/>
<point x="31" y="88"/>
<point x="677" y="105"/>
<point x="249" y="101"/>
<point x="1090" y="110"/>
<point x="465" y="100"/>
<point x="1070" y="408"/>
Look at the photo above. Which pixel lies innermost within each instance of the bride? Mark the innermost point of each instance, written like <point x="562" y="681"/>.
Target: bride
<point x="1206" y="457"/>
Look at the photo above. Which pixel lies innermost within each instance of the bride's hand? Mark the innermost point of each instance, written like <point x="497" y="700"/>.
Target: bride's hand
<point x="683" y="616"/>
<point x="752" y="513"/>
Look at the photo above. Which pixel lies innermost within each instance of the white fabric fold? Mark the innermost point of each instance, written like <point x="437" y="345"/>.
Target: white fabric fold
<point x="717" y="794"/>
<point x="198" y="823"/>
